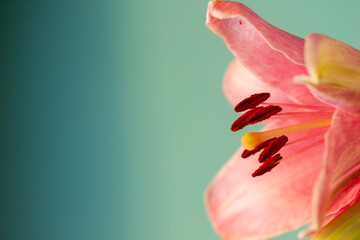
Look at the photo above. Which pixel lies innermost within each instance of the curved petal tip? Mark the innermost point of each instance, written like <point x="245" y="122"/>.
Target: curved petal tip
<point x="273" y="56"/>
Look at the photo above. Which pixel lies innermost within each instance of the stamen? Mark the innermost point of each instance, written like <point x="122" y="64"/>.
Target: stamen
<point x="251" y="102"/>
<point x="271" y="141"/>
<point x="246" y="153"/>
<point x="309" y="107"/>
<point x="272" y="162"/>
<point x="308" y="136"/>
<point x="242" y="121"/>
<point x="264" y="114"/>
<point x="254" y="115"/>
<point x="251" y="140"/>
<point x="314" y="144"/>
<point x="304" y="113"/>
<point x="273" y="148"/>
<point x="267" y="166"/>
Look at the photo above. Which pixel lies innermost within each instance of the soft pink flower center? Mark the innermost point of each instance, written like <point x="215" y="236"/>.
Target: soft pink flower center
<point x="271" y="141"/>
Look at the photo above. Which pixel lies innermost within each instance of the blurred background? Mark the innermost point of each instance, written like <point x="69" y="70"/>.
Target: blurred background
<point x="113" y="116"/>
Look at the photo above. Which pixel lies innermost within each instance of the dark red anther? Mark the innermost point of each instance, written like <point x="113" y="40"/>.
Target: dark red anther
<point x="255" y="115"/>
<point x="247" y="153"/>
<point x="268" y="165"/>
<point x="251" y="102"/>
<point x="243" y="120"/>
<point x="263" y="114"/>
<point x="272" y="148"/>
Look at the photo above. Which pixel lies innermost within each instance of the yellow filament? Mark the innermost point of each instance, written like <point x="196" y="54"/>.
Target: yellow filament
<point x="251" y="140"/>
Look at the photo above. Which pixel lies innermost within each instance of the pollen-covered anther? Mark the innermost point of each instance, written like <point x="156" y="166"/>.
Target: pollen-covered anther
<point x="255" y="115"/>
<point x="273" y="148"/>
<point x="268" y="165"/>
<point x="243" y="120"/>
<point x="247" y="153"/>
<point x="264" y="114"/>
<point x="251" y="102"/>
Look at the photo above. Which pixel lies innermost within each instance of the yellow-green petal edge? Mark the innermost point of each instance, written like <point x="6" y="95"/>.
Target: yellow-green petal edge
<point x="344" y="226"/>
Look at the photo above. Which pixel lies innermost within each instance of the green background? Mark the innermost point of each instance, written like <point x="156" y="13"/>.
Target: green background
<point x="113" y="117"/>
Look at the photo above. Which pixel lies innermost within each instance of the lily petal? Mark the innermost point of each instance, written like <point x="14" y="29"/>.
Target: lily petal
<point x="240" y="83"/>
<point x="272" y="55"/>
<point x="334" y="69"/>
<point x="339" y="182"/>
<point x="242" y="207"/>
<point x="345" y="226"/>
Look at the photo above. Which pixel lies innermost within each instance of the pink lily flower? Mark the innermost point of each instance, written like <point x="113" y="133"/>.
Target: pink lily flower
<point x="311" y="144"/>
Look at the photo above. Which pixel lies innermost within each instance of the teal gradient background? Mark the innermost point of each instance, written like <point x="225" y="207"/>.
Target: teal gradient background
<point x="113" y="117"/>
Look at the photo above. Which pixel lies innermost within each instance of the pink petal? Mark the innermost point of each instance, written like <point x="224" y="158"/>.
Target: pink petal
<point x="240" y="83"/>
<point x="334" y="69"/>
<point x="242" y="207"/>
<point x="338" y="183"/>
<point x="344" y="226"/>
<point x="271" y="54"/>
